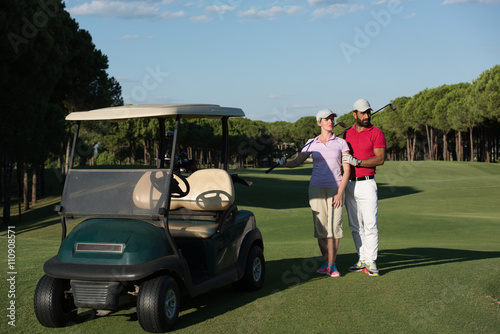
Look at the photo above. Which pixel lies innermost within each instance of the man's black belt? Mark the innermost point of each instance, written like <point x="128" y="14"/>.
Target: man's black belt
<point x="362" y="178"/>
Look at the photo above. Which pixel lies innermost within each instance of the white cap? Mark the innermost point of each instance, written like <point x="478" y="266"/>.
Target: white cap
<point x="324" y="113"/>
<point x="361" y="105"/>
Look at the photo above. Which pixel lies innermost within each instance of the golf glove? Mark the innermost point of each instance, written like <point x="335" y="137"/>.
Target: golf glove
<point x="282" y="161"/>
<point x="349" y="159"/>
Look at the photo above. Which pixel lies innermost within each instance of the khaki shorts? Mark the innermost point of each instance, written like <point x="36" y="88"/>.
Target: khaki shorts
<point x="327" y="220"/>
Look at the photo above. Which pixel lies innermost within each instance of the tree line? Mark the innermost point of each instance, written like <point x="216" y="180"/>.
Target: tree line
<point x="458" y="122"/>
<point x="48" y="68"/>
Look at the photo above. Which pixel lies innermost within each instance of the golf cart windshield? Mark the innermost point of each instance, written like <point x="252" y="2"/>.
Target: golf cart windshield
<point x="115" y="193"/>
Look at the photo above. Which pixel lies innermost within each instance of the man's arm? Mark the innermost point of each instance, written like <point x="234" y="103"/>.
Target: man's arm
<point x="377" y="160"/>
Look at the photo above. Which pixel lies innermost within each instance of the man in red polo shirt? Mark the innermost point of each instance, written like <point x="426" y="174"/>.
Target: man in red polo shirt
<point x="367" y="145"/>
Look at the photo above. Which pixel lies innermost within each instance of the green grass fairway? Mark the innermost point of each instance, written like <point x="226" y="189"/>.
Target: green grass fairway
<point x="439" y="261"/>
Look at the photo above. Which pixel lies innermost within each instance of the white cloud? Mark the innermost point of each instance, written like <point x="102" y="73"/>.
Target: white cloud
<point x="220" y="10"/>
<point x="467" y="2"/>
<point x="170" y="16"/>
<point x="201" y="19"/>
<point x="269" y="14"/>
<point x="124" y="9"/>
<point x="325" y="2"/>
<point x="115" y="9"/>
<point x="336" y="10"/>
<point x="411" y="16"/>
<point x="383" y="2"/>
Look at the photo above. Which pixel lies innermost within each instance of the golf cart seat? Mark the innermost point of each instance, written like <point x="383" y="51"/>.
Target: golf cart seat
<point x="199" y="214"/>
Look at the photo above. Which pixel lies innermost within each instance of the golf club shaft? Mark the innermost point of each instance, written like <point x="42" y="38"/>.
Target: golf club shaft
<point x="388" y="104"/>
<point x="340" y="134"/>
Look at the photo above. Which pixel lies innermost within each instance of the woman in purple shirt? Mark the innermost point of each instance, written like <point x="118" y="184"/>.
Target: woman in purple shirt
<point x="326" y="187"/>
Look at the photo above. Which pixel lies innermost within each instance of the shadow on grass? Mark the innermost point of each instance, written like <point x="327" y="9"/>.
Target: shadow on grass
<point x="399" y="259"/>
<point x="285" y="274"/>
<point x="34" y="219"/>
<point x="277" y="193"/>
<point x="280" y="275"/>
<point x="386" y="191"/>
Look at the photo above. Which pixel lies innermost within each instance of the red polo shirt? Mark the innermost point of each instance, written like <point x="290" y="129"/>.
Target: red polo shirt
<point x="362" y="144"/>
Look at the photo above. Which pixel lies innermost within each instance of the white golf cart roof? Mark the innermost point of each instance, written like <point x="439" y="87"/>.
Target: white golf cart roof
<point x="167" y="110"/>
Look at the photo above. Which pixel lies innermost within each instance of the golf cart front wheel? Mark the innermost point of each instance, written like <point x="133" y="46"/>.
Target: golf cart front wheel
<point x="54" y="304"/>
<point x="158" y="304"/>
<point x="253" y="279"/>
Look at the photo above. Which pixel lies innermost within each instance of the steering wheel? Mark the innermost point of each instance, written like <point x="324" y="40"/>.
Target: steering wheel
<point x="176" y="190"/>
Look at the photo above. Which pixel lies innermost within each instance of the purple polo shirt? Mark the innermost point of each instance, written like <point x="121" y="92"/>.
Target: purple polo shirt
<point x="326" y="161"/>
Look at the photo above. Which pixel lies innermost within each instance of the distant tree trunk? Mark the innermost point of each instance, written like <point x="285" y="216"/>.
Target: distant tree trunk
<point x="155" y="152"/>
<point x="458" y="146"/>
<point x="487" y="147"/>
<point x="471" y="144"/>
<point x="146" y="153"/>
<point x="201" y="157"/>
<point x="34" y="185"/>
<point x="413" y="145"/>
<point x="495" y="146"/>
<point x="132" y="153"/>
<point x="429" y="141"/>
<point x="446" y="154"/>
<point x="25" y="188"/>
<point x="408" y="146"/>
<point x="7" y="190"/>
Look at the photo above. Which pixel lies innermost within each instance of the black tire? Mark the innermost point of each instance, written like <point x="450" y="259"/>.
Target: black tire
<point x="255" y="269"/>
<point x="158" y="304"/>
<point x="54" y="304"/>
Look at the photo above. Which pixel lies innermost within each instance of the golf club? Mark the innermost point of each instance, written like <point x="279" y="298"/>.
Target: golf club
<point x="342" y="124"/>
<point x="340" y="134"/>
<point x="393" y="107"/>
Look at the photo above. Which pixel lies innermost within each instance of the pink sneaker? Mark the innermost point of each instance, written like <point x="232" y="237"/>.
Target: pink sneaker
<point x="322" y="269"/>
<point x="332" y="271"/>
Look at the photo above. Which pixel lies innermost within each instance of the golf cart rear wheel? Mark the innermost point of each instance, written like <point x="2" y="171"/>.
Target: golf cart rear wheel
<point x="158" y="304"/>
<point x="255" y="269"/>
<point x="54" y="304"/>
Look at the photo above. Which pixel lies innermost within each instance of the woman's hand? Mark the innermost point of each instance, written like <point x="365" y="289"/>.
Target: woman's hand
<point x="337" y="201"/>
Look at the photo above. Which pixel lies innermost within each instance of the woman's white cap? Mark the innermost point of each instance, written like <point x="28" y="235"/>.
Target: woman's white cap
<point x="324" y="113"/>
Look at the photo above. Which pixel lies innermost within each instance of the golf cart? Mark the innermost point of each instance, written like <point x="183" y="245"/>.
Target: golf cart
<point x="146" y="235"/>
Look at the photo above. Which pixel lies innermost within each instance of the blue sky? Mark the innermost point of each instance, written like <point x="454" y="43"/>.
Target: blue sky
<point x="285" y="59"/>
